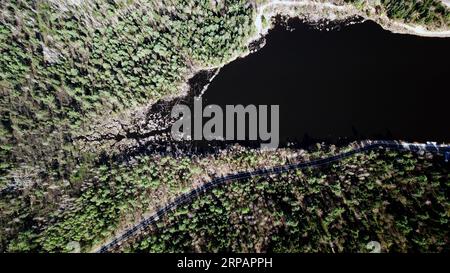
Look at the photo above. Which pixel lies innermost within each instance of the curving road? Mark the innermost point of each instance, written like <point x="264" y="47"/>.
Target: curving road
<point x="184" y="198"/>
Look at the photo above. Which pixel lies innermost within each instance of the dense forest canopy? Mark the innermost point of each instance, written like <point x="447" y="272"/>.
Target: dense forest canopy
<point x="396" y="199"/>
<point x="64" y="64"/>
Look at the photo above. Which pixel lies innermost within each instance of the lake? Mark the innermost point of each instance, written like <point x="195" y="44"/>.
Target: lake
<point x="356" y="82"/>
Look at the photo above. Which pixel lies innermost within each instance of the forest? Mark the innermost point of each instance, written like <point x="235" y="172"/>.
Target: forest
<point x="396" y="199"/>
<point x="431" y="13"/>
<point x="63" y="66"/>
<point x="66" y="64"/>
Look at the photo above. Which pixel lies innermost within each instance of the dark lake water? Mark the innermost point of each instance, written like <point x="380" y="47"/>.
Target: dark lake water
<point x="359" y="82"/>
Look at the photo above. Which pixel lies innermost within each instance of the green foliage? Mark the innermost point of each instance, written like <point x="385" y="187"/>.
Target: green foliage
<point x="432" y="13"/>
<point x="63" y="67"/>
<point x="427" y="12"/>
<point x="109" y="196"/>
<point x="316" y="211"/>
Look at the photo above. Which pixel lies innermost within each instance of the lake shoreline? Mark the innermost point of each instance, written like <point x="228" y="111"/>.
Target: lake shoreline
<point x="323" y="20"/>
